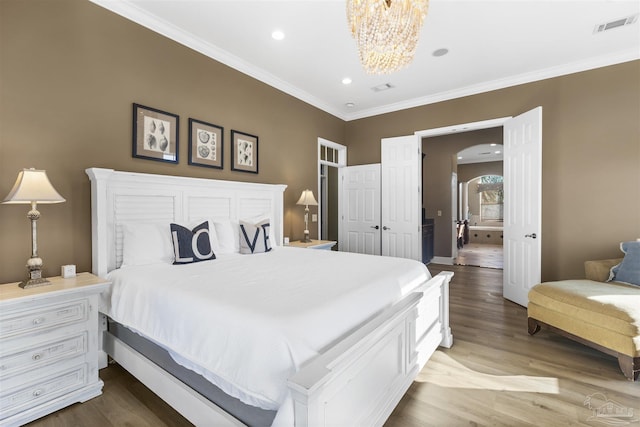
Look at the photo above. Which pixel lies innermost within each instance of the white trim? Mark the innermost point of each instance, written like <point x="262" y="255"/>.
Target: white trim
<point x="134" y="13"/>
<point x="533" y="76"/>
<point x="342" y="162"/>
<point x="465" y="127"/>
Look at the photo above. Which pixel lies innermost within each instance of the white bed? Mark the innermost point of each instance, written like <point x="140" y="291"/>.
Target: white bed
<point x="352" y="373"/>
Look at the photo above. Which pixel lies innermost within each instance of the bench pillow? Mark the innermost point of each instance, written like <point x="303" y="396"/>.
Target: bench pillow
<point x="628" y="271"/>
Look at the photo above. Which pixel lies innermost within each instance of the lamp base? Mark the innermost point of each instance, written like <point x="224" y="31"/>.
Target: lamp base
<point x="306" y="236"/>
<point x="34" y="265"/>
<point x="34" y="283"/>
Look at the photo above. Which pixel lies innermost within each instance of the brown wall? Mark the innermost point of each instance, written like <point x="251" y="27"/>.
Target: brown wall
<point x="590" y="156"/>
<point x="70" y="70"/>
<point x="69" y="73"/>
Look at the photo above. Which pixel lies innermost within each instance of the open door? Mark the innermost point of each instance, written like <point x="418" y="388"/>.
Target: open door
<point x="402" y="197"/>
<point x="360" y="209"/>
<point x="522" y="205"/>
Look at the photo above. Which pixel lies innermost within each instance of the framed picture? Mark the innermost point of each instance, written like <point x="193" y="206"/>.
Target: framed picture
<point x="155" y="134"/>
<point x="206" y="144"/>
<point x="244" y="152"/>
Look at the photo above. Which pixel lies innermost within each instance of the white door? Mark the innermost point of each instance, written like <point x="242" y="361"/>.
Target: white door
<point x="454" y="215"/>
<point x="522" y="204"/>
<point x="360" y="205"/>
<point x="401" y="197"/>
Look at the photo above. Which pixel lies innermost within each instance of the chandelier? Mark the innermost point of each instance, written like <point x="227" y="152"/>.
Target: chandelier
<point x="386" y="32"/>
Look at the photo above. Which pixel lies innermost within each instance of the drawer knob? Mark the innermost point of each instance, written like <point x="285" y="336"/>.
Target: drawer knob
<point x="37" y="356"/>
<point x="38" y="320"/>
<point x="37" y="392"/>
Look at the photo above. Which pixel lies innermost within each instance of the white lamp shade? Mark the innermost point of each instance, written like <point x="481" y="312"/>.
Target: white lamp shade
<point x="307" y="199"/>
<point x="31" y="186"/>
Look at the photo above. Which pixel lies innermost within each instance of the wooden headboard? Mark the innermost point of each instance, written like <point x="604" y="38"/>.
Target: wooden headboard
<point x="127" y="197"/>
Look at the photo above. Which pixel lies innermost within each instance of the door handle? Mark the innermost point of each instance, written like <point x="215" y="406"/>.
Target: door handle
<point x="532" y="235"/>
<point x="384" y="227"/>
<point x="377" y="227"/>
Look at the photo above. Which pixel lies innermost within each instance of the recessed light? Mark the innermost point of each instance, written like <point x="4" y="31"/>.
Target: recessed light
<point x="277" y="35"/>
<point x="440" y="52"/>
<point x="350" y="105"/>
<point x="346" y="81"/>
<point x="494" y="144"/>
<point x="498" y="152"/>
<point x="459" y="157"/>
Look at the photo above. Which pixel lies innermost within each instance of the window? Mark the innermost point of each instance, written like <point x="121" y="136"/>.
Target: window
<point x="491" y="191"/>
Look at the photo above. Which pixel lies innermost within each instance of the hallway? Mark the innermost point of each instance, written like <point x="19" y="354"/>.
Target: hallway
<point x="480" y="255"/>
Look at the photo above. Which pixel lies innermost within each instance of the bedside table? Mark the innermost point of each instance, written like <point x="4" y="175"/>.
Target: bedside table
<point x="48" y="347"/>
<point x="314" y="244"/>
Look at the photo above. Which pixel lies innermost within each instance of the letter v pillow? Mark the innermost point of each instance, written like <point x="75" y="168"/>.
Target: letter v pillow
<point x="254" y="238"/>
<point x="191" y="245"/>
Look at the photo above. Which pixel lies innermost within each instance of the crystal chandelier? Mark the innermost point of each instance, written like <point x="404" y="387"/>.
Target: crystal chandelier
<point x="386" y="32"/>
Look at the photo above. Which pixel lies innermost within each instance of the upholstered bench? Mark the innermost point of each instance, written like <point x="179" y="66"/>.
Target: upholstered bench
<point x="603" y="315"/>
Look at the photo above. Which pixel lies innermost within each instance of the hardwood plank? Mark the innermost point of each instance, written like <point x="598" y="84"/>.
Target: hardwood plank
<point x="495" y="374"/>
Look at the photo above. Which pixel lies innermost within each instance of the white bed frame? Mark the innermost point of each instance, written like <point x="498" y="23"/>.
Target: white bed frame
<point x="358" y="381"/>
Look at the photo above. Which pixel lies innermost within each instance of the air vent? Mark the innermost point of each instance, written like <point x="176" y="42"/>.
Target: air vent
<point x="615" y="24"/>
<point x="382" y="87"/>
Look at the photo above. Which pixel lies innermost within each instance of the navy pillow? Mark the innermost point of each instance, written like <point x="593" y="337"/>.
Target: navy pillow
<point x="628" y="271"/>
<point x="191" y="245"/>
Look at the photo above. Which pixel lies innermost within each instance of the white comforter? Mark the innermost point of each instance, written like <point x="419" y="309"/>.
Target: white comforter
<point x="248" y="322"/>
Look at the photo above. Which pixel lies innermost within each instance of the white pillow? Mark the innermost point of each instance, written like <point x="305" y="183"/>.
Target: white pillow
<point x="254" y="238"/>
<point x="146" y="243"/>
<point x="258" y="219"/>
<point x="228" y="236"/>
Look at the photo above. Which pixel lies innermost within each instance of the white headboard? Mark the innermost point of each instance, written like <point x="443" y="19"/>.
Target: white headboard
<point x="125" y="197"/>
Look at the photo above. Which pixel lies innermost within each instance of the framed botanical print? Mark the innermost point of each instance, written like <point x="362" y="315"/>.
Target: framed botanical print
<point x="206" y="144"/>
<point x="244" y="152"/>
<point x="155" y="134"/>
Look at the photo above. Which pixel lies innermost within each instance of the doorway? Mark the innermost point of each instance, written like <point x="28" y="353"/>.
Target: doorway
<point x="331" y="157"/>
<point x="480" y="206"/>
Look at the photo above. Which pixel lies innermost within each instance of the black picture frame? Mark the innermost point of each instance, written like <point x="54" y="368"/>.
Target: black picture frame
<point x="155" y="134"/>
<point x="244" y="152"/>
<point x="206" y="144"/>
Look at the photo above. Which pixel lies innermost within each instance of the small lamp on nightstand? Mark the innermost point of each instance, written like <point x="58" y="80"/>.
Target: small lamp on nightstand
<point x="33" y="187"/>
<point x="307" y="199"/>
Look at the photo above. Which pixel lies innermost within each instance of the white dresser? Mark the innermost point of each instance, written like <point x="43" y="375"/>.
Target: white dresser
<point x="48" y="347"/>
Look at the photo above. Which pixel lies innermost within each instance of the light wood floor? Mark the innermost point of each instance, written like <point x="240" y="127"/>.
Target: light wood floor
<point x="480" y="255"/>
<point x="494" y="375"/>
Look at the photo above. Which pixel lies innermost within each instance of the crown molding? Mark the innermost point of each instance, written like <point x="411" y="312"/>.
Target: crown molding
<point x="133" y="13"/>
<point x="546" y="73"/>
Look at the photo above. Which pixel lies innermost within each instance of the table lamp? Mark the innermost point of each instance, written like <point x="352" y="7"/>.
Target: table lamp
<point x="307" y="199"/>
<point x="33" y="187"/>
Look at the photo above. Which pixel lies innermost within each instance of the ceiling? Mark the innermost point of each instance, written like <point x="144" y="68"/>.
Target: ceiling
<point x="491" y="44"/>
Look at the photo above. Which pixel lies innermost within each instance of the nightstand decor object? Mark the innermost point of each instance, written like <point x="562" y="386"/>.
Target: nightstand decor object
<point x="307" y="199"/>
<point x="33" y="187"/>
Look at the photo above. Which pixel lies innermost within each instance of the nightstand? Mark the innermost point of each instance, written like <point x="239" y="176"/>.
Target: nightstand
<point x="48" y="347"/>
<point x="314" y="244"/>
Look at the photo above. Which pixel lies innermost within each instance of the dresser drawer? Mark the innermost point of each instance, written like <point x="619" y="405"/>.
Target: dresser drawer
<point x="53" y="351"/>
<point x="43" y="317"/>
<point x="42" y="390"/>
